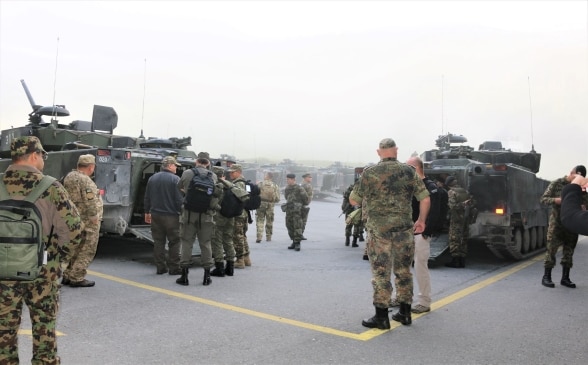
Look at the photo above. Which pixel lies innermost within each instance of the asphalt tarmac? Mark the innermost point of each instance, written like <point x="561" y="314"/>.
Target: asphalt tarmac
<point x="306" y="308"/>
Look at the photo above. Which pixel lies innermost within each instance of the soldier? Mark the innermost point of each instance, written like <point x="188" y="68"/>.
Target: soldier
<point x="241" y="225"/>
<point x="557" y="234"/>
<point x="385" y="192"/>
<point x="296" y="199"/>
<point x="270" y="195"/>
<point x="194" y="224"/>
<point x="163" y="206"/>
<point x="307" y="185"/>
<point x="458" y="223"/>
<point x="222" y="238"/>
<point x="351" y="229"/>
<point x="84" y="193"/>
<point x="61" y="218"/>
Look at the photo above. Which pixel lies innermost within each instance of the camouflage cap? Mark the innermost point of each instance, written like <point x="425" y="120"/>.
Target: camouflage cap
<point x="169" y="160"/>
<point x="219" y="171"/>
<point x="205" y="155"/>
<point x="235" y="167"/>
<point x="387" y="143"/>
<point x="291" y="176"/>
<point x="24" y="145"/>
<point x="86" y="160"/>
<point x="306" y="175"/>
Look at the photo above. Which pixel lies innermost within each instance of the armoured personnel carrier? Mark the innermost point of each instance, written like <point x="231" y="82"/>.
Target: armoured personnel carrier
<point x="510" y="221"/>
<point x="123" y="164"/>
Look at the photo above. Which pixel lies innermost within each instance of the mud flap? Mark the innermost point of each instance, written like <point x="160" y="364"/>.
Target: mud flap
<point x="145" y="234"/>
<point x="439" y="244"/>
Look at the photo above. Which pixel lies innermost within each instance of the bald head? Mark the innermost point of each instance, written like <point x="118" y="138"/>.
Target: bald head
<point x="417" y="163"/>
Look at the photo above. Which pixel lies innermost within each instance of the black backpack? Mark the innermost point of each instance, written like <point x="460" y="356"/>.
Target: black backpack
<point x="254" y="201"/>
<point x="200" y="190"/>
<point x="21" y="234"/>
<point x="231" y="206"/>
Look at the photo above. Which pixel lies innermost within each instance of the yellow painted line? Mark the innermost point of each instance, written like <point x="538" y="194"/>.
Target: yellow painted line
<point x="364" y="336"/>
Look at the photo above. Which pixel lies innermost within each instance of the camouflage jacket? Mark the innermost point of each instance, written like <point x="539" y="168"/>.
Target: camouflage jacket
<point x="295" y="196"/>
<point x="57" y="211"/>
<point x="455" y="198"/>
<point x="308" y="188"/>
<point x="270" y="192"/>
<point x="552" y="192"/>
<point x="84" y="193"/>
<point x="386" y="192"/>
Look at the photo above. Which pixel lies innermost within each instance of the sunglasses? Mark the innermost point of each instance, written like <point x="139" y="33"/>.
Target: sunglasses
<point x="43" y="153"/>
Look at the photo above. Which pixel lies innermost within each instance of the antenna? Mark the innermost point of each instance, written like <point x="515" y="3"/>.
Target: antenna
<point x="531" y="112"/>
<point x="55" y="79"/>
<point x="442" y="102"/>
<point x="144" y="91"/>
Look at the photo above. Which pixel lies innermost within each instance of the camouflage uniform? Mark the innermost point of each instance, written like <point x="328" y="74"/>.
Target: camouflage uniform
<point x="42" y="294"/>
<point x="306" y="209"/>
<point x="296" y="198"/>
<point x="222" y="238"/>
<point x="85" y="195"/>
<point x="386" y="191"/>
<point x="265" y="212"/>
<point x="458" y="228"/>
<point x="354" y="230"/>
<point x="557" y="235"/>
<point x="241" y="225"/>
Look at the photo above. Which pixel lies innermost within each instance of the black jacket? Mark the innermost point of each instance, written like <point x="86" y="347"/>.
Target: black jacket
<point x="572" y="216"/>
<point x="434" y="216"/>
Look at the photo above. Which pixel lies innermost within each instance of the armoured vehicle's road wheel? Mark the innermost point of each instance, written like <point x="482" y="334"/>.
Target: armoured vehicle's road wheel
<point x="518" y="240"/>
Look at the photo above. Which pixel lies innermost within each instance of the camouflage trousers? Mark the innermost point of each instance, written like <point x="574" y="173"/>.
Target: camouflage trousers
<point x="458" y="235"/>
<point x="42" y="299"/>
<point x="304" y="216"/>
<point x="556" y="237"/>
<point x="391" y="252"/>
<point x="294" y="224"/>
<point x="265" y="216"/>
<point x="222" y="239"/>
<point x="80" y="261"/>
<point x="354" y="230"/>
<point x="240" y="236"/>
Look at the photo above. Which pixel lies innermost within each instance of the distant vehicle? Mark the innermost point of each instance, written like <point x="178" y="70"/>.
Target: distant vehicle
<point x="511" y="221"/>
<point x="123" y="164"/>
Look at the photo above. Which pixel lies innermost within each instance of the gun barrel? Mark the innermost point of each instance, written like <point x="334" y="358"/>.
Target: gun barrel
<point x="29" y="96"/>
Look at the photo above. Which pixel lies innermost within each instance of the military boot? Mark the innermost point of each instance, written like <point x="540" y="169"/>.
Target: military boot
<point x="380" y="320"/>
<point x="546" y="281"/>
<point x="240" y="263"/>
<point x="296" y="246"/>
<point x="292" y="246"/>
<point x="403" y="316"/>
<point x="361" y="239"/>
<point x="247" y="260"/>
<point x="354" y="243"/>
<point x="268" y="238"/>
<point x="229" y="268"/>
<point x="347" y="240"/>
<point x="183" y="280"/>
<point x="206" y="280"/>
<point x="456" y="262"/>
<point x="565" y="278"/>
<point x="219" y="269"/>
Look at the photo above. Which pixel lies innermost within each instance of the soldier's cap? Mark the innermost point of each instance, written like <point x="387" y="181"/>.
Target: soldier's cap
<point x="580" y="169"/>
<point x="219" y="171"/>
<point x="86" y="160"/>
<point x="235" y="167"/>
<point x="205" y="155"/>
<point x="291" y="176"/>
<point x="450" y="181"/>
<point x="169" y="160"/>
<point x="24" y="145"/>
<point x="387" y="143"/>
<point x="306" y="175"/>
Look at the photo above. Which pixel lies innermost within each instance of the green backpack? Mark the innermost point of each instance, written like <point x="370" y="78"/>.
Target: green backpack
<point x="21" y="234"/>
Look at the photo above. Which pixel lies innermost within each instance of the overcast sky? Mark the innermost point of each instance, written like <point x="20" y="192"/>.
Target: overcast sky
<point x="309" y="80"/>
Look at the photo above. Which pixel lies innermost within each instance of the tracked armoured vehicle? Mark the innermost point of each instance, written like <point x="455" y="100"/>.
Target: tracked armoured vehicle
<point x="511" y="221"/>
<point x="123" y="164"/>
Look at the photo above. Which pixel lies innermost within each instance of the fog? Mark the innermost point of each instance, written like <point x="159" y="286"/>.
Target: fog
<point x="309" y="80"/>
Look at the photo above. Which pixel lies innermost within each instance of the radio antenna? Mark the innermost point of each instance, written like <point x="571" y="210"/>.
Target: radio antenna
<point x="55" y="79"/>
<point x="442" y="104"/>
<point x="531" y="113"/>
<point x="144" y="91"/>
